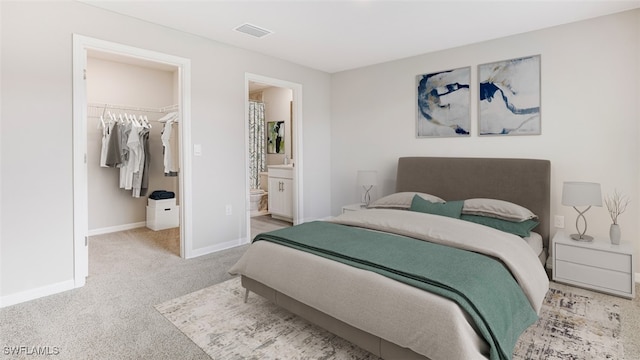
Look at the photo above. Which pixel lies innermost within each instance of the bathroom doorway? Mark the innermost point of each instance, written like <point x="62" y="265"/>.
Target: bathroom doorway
<point x="273" y="140"/>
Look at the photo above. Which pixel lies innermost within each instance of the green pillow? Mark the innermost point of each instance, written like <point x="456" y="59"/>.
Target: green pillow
<point x="518" y="228"/>
<point x="451" y="209"/>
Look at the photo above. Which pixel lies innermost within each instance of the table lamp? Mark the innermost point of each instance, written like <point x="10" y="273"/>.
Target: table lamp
<point x="576" y="193"/>
<point x="367" y="179"/>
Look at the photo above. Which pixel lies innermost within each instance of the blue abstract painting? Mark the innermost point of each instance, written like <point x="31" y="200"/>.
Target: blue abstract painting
<point x="443" y="103"/>
<point x="509" y="97"/>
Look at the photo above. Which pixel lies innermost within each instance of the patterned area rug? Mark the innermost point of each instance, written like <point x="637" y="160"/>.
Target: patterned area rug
<point x="216" y="319"/>
<point x="572" y="327"/>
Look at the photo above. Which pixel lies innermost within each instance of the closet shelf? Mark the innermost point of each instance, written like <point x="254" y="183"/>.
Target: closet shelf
<point x="95" y="110"/>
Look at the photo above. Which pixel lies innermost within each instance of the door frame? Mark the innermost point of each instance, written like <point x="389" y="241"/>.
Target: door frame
<point x="298" y="209"/>
<point x="80" y="182"/>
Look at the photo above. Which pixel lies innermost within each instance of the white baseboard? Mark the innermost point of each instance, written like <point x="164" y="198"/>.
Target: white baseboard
<point x="112" y="229"/>
<point x="36" y="293"/>
<point x="215" y="248"/>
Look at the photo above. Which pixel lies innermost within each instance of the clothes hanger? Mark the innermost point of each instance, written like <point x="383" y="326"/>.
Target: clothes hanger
<point x="168" y="117"/>
<point x="134" y="121"/>
<point x="144" y="121"/>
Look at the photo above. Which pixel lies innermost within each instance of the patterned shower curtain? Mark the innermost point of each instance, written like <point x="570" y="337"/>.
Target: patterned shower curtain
<point x="257" y="149"/>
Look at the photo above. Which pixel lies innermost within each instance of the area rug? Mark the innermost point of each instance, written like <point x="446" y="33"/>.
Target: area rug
<point x="570" y="327"/>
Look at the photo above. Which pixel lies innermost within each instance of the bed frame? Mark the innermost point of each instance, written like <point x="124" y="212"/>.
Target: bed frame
<point x="522" y="181"/>
<point x="525" y="182"/>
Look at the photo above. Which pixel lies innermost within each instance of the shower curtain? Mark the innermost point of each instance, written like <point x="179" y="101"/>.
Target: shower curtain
<point x="257" y="149"/>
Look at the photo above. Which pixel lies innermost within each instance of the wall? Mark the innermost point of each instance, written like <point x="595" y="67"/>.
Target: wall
<point x="36" y="228"/>
<point x="590" y="130"/>
<point x="110" y="82"/>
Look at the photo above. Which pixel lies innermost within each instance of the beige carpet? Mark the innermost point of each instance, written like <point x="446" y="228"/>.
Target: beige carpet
<point x="113" y="316"/>
<point x="575" y="324"/>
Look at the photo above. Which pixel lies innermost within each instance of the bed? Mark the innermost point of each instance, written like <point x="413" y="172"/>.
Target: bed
<point x="396" y="319"/>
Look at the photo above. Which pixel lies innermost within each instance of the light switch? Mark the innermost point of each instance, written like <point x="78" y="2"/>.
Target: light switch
<point x="197" y="149"/>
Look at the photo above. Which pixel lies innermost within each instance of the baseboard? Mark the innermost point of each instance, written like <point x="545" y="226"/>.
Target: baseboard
<point x="36" y="293"/>
<point x="215" y="248"/>
<point x="112" y="229"/>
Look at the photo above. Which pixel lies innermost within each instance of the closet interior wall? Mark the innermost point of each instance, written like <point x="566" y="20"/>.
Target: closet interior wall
<point x="136" y="88"/>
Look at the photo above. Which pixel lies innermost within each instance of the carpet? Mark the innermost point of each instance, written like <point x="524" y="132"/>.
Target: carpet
<point x="571" y="326"/>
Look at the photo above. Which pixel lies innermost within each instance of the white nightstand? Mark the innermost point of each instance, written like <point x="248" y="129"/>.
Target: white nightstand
<point x="597" y="265"/>
<point x="353" y="207"/>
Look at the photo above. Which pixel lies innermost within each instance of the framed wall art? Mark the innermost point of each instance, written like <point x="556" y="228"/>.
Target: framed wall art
<point x="509" y="97"/>
<point x="443" y="103"/>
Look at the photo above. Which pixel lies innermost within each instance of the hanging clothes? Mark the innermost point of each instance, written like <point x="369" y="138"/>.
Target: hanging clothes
<point x="126" y="146"/>
<point x="125" y="181"/>
<point x="144" y="185"/>
<point x="113" y="157"/>
<point x="174" y="141"/>
<point x="170" y="143"/>
<point x="139" y="168"/>
<point x="106" y="133"/>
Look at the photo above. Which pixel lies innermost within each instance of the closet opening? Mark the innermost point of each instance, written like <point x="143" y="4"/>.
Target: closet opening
<point x="137" y="183"/>
<point x="133" y="150"/>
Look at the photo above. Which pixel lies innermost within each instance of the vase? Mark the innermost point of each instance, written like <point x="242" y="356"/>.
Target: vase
<point x="614" y="234"/>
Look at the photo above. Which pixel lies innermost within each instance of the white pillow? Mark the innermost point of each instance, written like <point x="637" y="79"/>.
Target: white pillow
<point x="498" y="209"/>
<point x="401" y="200"/>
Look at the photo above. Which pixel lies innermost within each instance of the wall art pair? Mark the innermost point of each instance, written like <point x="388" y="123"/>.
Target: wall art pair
<point x="508" y="100"/>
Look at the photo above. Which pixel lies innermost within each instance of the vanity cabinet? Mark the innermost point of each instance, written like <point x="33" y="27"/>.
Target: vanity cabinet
<point x="281" y="192"/>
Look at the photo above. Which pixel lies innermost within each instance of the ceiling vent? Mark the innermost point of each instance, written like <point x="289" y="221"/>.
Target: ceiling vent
<point x="253" y="30"/>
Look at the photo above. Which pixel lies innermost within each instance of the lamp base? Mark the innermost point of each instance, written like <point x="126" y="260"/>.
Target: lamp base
<point x="584" y="238"/>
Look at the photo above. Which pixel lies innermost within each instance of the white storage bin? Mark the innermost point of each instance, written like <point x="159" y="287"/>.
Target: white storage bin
<point x="160" y="218"/>
<point x="161" y="203"/>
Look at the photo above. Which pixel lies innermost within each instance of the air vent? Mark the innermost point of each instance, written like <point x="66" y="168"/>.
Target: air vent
<point x="253" y="30"/>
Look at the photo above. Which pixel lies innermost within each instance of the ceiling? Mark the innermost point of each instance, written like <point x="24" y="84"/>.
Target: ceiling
<point x="333" y="36"/>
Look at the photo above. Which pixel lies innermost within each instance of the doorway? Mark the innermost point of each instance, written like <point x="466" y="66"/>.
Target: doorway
<point x="284" y="98"/>
<point x="81" y="47"/>
<point x="135" y="99"/>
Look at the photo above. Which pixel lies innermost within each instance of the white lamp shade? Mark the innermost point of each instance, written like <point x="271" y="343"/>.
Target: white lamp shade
<point x="367" y="178"/>
<point x="576" y="193"/>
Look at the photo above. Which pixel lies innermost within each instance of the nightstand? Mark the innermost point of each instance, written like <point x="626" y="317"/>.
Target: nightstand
<point x="597" y="265"/>
<point x="353" y="207"/>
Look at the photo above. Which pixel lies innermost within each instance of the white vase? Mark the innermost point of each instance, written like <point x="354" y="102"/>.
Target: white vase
<point x="614" y="234"/>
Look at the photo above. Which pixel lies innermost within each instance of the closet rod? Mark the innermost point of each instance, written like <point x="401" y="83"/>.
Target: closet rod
<point x="132" y="108"/>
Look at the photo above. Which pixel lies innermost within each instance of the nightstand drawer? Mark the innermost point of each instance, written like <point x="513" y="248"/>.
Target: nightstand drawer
<point x="594" y="257"/>
<point x="603" y="278"/>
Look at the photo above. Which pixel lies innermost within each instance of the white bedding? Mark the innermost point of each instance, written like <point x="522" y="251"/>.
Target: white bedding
<point x="519" y="257"/>
<point x="421" y="321"/>
<point x="535" y="241"/>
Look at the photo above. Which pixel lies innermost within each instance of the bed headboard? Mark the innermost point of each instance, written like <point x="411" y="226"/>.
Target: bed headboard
<point x="525" y="182"/>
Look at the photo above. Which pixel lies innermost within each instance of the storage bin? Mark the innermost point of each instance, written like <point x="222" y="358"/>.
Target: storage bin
<point x="161" y="203"/>
<point x="165" y="217"/>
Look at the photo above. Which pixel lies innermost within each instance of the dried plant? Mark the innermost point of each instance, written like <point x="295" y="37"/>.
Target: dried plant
<point x="616" y="204"/>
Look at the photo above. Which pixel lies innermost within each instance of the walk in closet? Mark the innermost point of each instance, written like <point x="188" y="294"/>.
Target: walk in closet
<point x="142" y="95"/>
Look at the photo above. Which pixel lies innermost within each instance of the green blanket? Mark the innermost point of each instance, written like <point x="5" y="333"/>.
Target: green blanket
<point x="482" y="286"/>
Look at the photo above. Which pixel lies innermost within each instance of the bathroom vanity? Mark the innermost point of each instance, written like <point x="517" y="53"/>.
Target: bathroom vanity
<point x="281" y="192"/>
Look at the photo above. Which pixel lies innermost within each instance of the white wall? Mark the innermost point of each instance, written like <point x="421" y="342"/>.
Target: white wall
<point x="111" y="82"/>
<point x="590" y="92"/>
<point x="36" y="228"/>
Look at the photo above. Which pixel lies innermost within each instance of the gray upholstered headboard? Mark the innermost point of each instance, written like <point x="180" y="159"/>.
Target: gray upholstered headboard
<point x="525" y="182"/>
